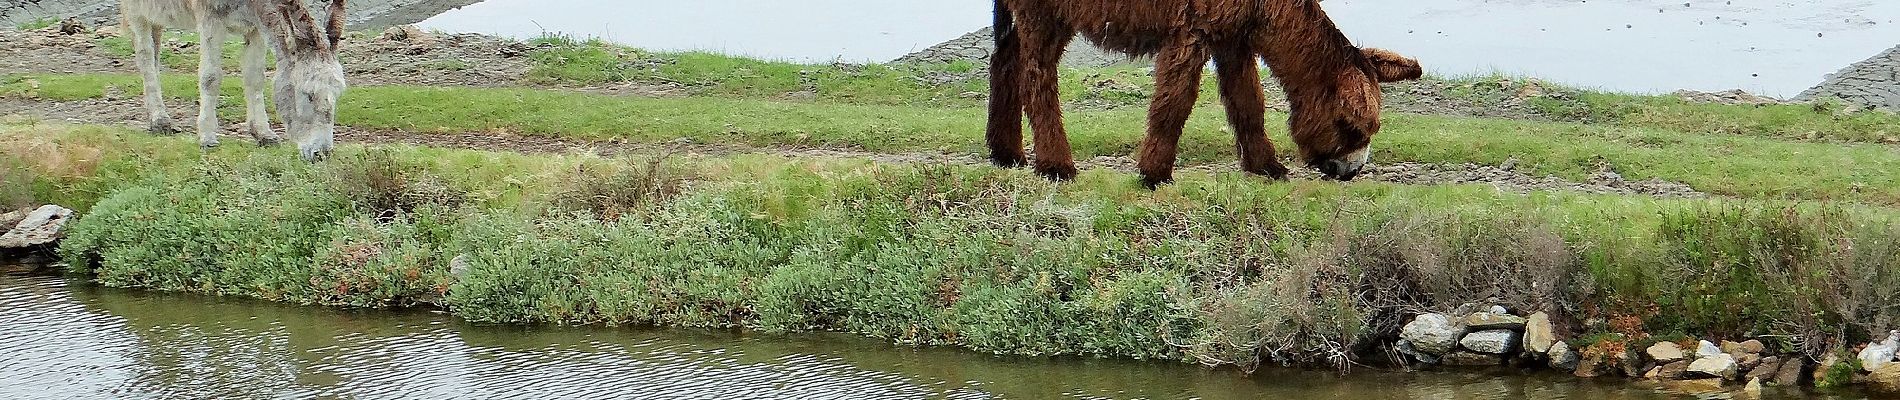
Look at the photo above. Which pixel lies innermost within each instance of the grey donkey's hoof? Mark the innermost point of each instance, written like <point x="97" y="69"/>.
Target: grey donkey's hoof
<point x="269" y="141"/>
<point x="162" y="127"/>
<point x="316" y="155"/>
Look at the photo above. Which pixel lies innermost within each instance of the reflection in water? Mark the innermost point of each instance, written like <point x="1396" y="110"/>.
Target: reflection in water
<point x="1773" y="47"/>
<point x="63" y="340"/>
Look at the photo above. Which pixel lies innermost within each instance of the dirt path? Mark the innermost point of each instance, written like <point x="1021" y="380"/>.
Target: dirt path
<point x="128" y="112"/>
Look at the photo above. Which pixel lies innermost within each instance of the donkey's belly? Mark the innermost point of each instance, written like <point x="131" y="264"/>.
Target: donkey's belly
<point x="1140" y="27"/>
<point x="232" y="16"/>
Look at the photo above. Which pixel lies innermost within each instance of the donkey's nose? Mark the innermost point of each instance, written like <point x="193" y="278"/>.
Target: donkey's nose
<point x="1338" y="170"/>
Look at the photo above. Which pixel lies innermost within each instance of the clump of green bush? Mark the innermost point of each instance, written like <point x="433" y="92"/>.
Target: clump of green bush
<point x="1222" y="271"/>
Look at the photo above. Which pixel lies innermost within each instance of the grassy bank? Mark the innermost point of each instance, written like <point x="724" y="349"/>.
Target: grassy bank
<point x="1222" y="269"/>
<point x="1726" y="164"/>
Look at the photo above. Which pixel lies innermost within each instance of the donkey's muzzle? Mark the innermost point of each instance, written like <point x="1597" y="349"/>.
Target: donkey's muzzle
<point x="1338" y="170"/>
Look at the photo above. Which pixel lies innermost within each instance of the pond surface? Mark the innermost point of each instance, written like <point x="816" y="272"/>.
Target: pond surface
<point x="1773" y="47"/>
<point x="80" y="341"/>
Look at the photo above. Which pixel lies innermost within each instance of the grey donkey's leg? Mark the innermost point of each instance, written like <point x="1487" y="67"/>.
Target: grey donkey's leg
<point x="210" y="77"/>
<point x="145" y="37"/>
<point x="256" y="119"/>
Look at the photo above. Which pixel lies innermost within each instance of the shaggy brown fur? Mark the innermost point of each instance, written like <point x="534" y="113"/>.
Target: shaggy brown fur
<point x="1332" y="85"/>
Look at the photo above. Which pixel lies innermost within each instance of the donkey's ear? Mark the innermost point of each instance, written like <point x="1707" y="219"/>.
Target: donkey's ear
<point x="335" y="27"/>
<point x="1392" y="67"/>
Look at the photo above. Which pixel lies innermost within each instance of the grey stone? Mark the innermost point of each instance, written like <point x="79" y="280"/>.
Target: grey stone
<point x="1665" y="352"/>
<point x="1471" y="359"/>
<point x="11" y="218"/>
<point x="1539" y="334"/>
<point x="458" y="267"/>
<point x="1791" y="372"/>
<point x="1716" y="366"/>
<point x="1488" y="321"/>
<point x="1495" y="341"/>
<point x="1766" y="371"/>
<point x="1432" y="333"/>
<point x="1874" y="82"/>
<point x="1674" y="370"/>
<point x="1561" y="357"/>
<point x="44" y="225"/>
<point x="1405" y="347"/>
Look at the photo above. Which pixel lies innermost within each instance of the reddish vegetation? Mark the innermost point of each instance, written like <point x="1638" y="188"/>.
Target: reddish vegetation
<point x="1331" y="85"/>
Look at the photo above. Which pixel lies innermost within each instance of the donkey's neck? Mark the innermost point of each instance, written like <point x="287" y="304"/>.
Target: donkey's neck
<point x="1301" y="45"/>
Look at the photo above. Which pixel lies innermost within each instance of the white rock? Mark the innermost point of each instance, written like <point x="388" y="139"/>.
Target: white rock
<point x="1495" y="309"/>
<point x="1716" y="366"/>
<point x="1880" y="354"/>
<point x="1432" y="333"/>
<point x="1706" y="349"/>
<point x="1495" y="341"/>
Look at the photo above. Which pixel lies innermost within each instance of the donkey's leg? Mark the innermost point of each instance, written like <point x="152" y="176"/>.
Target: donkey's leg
<point x="145" y="54"/>
<point x="1177" y="85"/>
<point x="256" y="118"/>
<point x="1005" y="132"/>
<point x="210" y="79"/>
<point x="1043" y="44"/>
<point x="1246" y="109"/>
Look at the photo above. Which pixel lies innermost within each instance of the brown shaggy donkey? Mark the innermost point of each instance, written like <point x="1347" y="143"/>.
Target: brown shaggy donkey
<point x="1332" y="86"/>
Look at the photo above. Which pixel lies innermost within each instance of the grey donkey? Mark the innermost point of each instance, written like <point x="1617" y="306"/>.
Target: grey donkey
<point x="308" y="78"/>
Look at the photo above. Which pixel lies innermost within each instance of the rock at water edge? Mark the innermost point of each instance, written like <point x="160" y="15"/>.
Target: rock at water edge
<point x="1885" y="380"/>
<point x="1496" y="341"/>
<point x="1471" y="359"/>
<point x="1766" y="371"/>
<point x="1716" y="366"/>
<point x="1432" y="333"/>
<point x="1878" y="355"/>
<point x="1539" y="333"/>
<point x="1753" y="388"/>
<point x="1561" y="357"/>
<point x="1665" y="352"/>
<point x="1791" y="372"/>
<point x="42" y="226"/>
<point x="1674" y="370"/>
<point x="1487" y="321"/>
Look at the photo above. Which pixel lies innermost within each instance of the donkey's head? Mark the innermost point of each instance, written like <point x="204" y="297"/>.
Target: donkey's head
<point x="1334" y="121"/>
<point x="309" y="77"/>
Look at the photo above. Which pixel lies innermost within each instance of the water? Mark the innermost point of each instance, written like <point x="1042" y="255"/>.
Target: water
<point x="65" y="340"/>
<point x="1773" y="47"/>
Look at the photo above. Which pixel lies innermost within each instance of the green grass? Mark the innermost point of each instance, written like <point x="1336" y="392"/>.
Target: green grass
<point x="1749" y="166"/>
<point x="1220" y="267"/>
<point x="38" y="24"/>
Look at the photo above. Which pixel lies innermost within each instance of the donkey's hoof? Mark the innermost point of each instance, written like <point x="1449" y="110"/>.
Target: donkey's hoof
<point x="269" y="141"/>
<point x="1009" y="160"/>
<point x="208" y="144"/>
<point x="1059" y="173"/>
<point x="162" y="127"/>
<point x="1274" y="172"/>
<point x="316" y="155"/>
<point x="1153" y="182"/>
